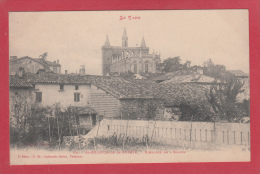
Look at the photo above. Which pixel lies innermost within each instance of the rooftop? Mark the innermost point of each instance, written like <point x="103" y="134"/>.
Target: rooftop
<point x="39" y="60"/>
<point x="172" y="94"/>
<point x="238" y="73"/>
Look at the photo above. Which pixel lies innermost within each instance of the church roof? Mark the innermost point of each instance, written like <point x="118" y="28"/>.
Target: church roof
<point x="107" y="42"/>
<point x="143" y="43"/>
<point x="124" y="33"/>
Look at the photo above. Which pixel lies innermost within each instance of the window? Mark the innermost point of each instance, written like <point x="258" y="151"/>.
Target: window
<point x="76" y="97"/>
<point x="146" y="67"/>
<point x="61" y="87"/>
<point x="38" y="97"/>
<point x="76" y="87"/>
<point x="135" y="68"/>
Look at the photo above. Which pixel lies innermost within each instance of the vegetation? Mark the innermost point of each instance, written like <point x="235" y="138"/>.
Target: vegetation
<point x="170" y="65"/>
<point x="140" y="109"/>
<point x="223" y="98"/>
<point x="31" y="124"/>
<point x="44" y="56"/>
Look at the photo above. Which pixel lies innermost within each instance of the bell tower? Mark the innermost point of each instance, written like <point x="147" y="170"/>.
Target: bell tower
<point x="124" y="39"/>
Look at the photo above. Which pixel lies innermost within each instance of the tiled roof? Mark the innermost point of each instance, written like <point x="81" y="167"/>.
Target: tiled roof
<point x="172" y="94"/>
<point x="56" y="78"/>
<point x="116" y="86"/>
<point x="46" y="62"/>
<point x="39" y="60"/>
<point x="171" y="75"/>
<point x="238" y="73"/>
<point x="120" y="87"/>
<point x="175" y="94"/>
<point x="18" y="82"/>
<point x="192" y="78"/>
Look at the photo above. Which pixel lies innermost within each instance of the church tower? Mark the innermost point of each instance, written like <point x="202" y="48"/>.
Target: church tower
<point x="124" y="39"/>
<point x="107" y="42"/>
<point x="143" y="43"/>
<point x="107" y="52"/>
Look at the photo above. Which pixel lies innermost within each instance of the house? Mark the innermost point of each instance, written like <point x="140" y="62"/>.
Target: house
<point x="104" y="94"/>
<point x="177" y="96"/>
<point x="32" y="65"/>
<point x="113" y="97"/>
<point x="245" y="95"/>
<point x="239" y="73"/>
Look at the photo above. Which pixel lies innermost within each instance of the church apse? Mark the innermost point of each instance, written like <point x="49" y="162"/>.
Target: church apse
<point x="121" y="59"/>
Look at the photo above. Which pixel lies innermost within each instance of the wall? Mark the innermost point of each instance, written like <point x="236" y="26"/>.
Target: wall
<point x="24" y="94"/>
<point x="51" y="94"/>
<point x="196" y="134"/>
<point x="104" y="103"/>
<point x="28" y="65"/>
<point x="109" y="51"/>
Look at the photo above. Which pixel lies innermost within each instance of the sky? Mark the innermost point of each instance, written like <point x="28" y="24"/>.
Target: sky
<point x="76" y="37"/>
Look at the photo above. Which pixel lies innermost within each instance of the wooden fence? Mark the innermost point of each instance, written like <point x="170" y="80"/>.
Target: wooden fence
<point x="194" y="134"/>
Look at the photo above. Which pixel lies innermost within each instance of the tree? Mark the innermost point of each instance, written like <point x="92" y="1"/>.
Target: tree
<point x="27" y="121"/>
<point x="140" y="109"/>
<point x="222" y="97"/>
<point x="170" y="65"/>
<point x="212" y="70"/>
<point x="44" y="56"/>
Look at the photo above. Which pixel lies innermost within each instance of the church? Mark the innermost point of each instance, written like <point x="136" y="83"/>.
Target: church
<point x="122" y="59"/>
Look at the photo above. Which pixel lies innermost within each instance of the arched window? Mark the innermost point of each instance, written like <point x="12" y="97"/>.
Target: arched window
<point x="146" y="67"/>
<point x="135" y="68"/>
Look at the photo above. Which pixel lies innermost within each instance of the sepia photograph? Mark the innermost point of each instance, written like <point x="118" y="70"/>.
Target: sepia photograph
<point x="141" y="86"/>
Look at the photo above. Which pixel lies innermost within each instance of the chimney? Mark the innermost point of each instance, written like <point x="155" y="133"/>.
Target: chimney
<point x="20" y="72"/>
<point x="66" y="71"/>
<point x="58" y="62"/>
<point x="82" y="70"/>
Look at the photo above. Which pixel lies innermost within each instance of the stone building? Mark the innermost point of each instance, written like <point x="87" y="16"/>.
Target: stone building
<point x="32" y="65"/>
<point x="120" y="59"/>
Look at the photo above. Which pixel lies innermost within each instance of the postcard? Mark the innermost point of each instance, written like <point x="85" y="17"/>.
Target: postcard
<point x="143" y="86"/>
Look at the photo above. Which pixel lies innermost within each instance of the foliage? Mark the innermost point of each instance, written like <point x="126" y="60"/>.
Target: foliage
<point x="27" y="123"/>
<point x="222" y="97"/>
<point x="214" y="70"/>
<point x="30" y="123"/>
<point x="170" y="65"/>
<point x="198" y="112"/>
<point x="140" y="109"/>
<point x="44" y="56"/>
